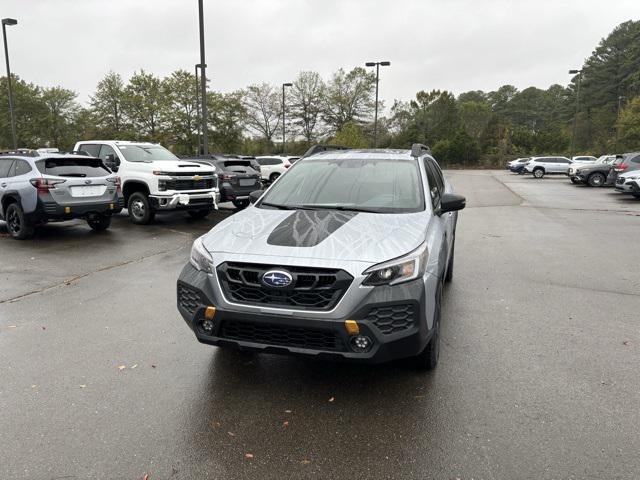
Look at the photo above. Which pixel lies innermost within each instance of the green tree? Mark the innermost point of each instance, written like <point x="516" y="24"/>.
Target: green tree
<point x="263" y="104"/>
<point x="350" y="135"/>
<point x="349" y="98"/>
<point x="307" y="97"/>
<point x="106" y="104"/>
<point x="474" y="117"/>
<point x="29" y="113"/>
<point x="62" y="109"/>
<point x="628" y="126"/>
<point x="179" y="111"/>
<point x="143" y="102"/>
<point x="227" y="116"/>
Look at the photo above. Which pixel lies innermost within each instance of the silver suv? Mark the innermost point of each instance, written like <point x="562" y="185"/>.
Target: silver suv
<point x="37" y="188"/>
<point x="344" y="256"/>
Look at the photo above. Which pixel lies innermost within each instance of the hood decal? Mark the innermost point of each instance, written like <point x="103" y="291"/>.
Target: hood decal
<point x="307" y="228"/>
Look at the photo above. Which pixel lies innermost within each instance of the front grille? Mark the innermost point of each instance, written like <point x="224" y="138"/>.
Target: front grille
<point x="181" y="185"/>
<point x="311" y="289"/>
<point x="281" y="335"/>
<point x="393" y="318"/>
<point x="188" y="298"/>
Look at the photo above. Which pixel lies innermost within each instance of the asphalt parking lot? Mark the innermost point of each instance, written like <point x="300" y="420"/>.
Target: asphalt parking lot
<point x="538" y="377"/>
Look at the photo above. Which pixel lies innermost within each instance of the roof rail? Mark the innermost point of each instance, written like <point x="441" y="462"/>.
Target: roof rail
<point x="23" y="152"/>
<point x="418" y="149"/>
<point x="322" y="148"/>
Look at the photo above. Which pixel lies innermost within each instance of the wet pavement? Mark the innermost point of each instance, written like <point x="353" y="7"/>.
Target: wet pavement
<point x="538" y="377"/>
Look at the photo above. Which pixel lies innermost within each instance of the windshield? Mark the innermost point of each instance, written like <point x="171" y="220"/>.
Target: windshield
<point x="378" y="186"/>
<point x="146" y="153"/>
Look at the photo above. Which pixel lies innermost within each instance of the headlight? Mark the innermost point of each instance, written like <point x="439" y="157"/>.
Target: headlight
<point x="200" y="257"/>
<point x="160" y="172"/>
<point x="399" y="270"/>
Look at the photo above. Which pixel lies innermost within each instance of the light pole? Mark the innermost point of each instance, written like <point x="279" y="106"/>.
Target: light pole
<point x="375" y="121"/>
<point x="5" y="22"/>
<point x="284" y="117"/>
<point x="575" y="116"/>
<point x="203" y="81"/>
<point x="620" y="98"/>
<point x="198" y="110"/>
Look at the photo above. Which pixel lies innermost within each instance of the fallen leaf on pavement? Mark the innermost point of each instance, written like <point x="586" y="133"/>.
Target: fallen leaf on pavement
<point x="146" y="476"/>
<point x="331" y="399"/>
<point x="44" y="328"/>
<point x="305" y="462"/>
<point x="82" y="386"/>
<point x="626" y="343"/>
<point x="231" y="434"/>
<point x="135" y="366"/>
<point x="121" y="367"/>
<point x="285" y="424"/>
<point x="248" y="455"/>
<point x="13" y="326"/>
<point x="153" y="366"/>
<point x="287" y="411"/>
<point x="34" y="386"/>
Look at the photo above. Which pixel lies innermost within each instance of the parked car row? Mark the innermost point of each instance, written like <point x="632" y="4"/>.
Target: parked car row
<point x="620" y="171"/>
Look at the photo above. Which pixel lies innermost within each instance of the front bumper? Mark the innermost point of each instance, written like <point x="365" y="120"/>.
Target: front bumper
<point x="629" y="186"/>
<point x="316" y="336"/>
<point x="185" y="201"/>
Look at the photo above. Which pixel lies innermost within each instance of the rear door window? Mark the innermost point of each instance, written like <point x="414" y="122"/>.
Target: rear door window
<point x="5" y="166"/>
<point x="20" y="167"/>
<point x="90" y="148"/>
<point x="73" y="167"/>
<point x="107" y="150"/>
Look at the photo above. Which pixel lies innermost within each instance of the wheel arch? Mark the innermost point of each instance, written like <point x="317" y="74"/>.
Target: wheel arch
<point x="132" y="186"/>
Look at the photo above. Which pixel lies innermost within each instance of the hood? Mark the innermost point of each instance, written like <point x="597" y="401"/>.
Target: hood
<point x="179" y="166"/>
<point x="630" y="174"/>
<point x="319" y="234"/>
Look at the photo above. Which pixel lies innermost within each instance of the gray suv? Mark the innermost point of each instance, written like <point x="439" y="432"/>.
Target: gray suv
<point x="343" y="257"/>
<point x="36" y="189"/>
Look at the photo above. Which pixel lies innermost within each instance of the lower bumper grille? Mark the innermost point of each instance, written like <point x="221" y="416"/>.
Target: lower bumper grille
<point x="393" y="318"/>
<point x="188" y="298"/>
<point x="281" y="335"/>
<point x="181" y="185"/>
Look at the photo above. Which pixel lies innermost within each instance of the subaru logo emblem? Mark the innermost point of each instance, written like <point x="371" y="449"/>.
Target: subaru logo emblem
<point x="277" y="278"/>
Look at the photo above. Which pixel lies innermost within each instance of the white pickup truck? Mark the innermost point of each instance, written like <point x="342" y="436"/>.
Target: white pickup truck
<point x="154" y="179"/>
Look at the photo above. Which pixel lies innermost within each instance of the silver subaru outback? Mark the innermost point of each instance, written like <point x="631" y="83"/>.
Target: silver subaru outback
<point x="343" y="257"/>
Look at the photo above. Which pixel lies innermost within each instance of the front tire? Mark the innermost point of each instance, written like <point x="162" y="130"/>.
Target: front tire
<point x="596" y="180"/>
<point x="273" y="177"/>
<point x="140" y="209"/>
<point x="17" y="225"/>
<point x="428" y="358"/>
<point x="99" y="223"/>
<point x="573" y="180"/>
<point x="538" y="173"/>
<point x="197" y="214"/>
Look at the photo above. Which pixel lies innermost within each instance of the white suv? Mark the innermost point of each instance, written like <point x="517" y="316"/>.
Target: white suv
<point x="541" y="166"/>
<point x="273" y="166"/>
<point x="154" y="179"/>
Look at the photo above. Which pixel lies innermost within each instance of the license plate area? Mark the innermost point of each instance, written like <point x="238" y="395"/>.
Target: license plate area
<point x="247" y="182"/>
<point x="87" y="191"/>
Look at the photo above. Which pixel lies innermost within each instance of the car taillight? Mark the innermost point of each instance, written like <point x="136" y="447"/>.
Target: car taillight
<point x="116" y="181"/>
<point x="43" y="185"/>
<point x="621" y="167"/>
<point x="226" y="177"/>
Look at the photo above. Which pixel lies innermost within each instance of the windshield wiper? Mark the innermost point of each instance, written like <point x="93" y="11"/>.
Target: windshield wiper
<point x="342" y="208"/>
<point x="279" y="207"/>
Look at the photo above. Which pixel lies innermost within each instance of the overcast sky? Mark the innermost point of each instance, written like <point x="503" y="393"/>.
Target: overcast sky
<point x="457" y="45"/>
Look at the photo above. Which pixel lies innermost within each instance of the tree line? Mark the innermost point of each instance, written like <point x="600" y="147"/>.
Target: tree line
<point x="472" y="128"/>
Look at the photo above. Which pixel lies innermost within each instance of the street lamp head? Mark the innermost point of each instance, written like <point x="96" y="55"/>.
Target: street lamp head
<point x="385" y="64"/>
<point x="370" y="64"/>
<point x="9" y="21"/>
<point x="287" y="84"/>
<point x="573" y="72"/>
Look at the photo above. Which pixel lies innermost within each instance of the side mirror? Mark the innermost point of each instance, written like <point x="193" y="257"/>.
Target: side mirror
<point x="255" y="195"/>
<point x="451" y="202"/>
